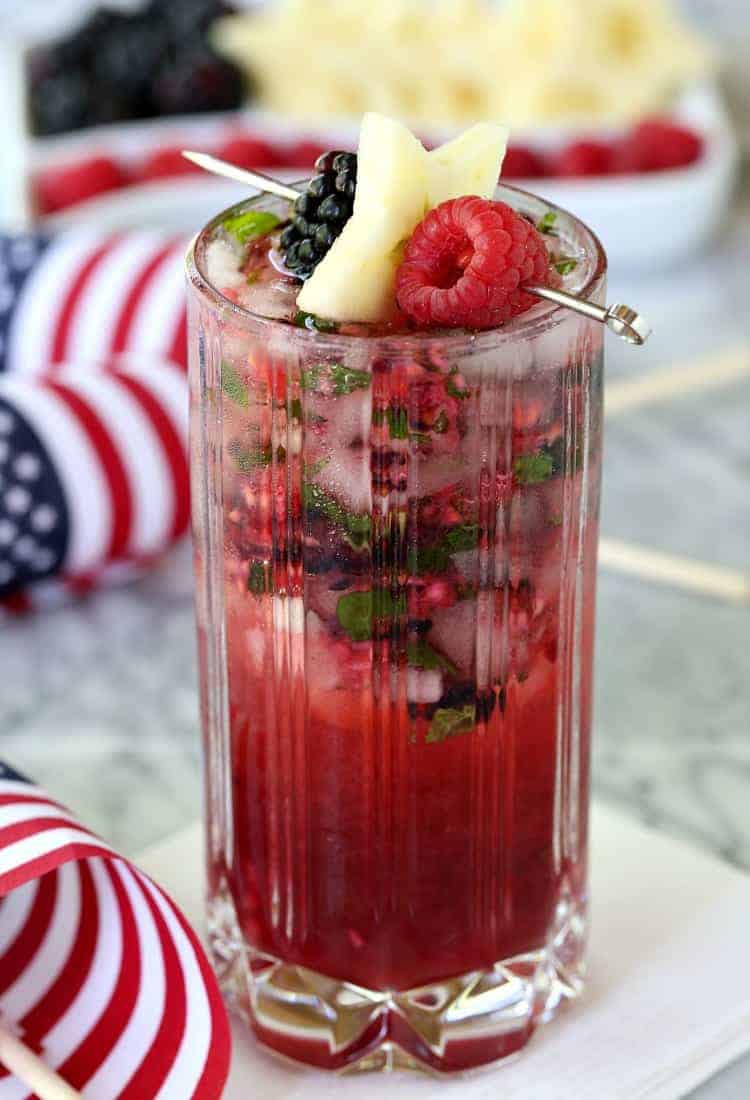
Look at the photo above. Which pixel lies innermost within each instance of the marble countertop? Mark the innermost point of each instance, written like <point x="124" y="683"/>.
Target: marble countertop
<point x="99" y="702"/>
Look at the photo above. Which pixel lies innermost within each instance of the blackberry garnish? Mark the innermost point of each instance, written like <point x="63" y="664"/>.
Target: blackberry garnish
<point x="320" y="213"/>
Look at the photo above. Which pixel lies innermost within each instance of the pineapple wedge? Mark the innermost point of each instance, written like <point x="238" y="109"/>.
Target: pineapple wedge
<point x="398" y="181"/>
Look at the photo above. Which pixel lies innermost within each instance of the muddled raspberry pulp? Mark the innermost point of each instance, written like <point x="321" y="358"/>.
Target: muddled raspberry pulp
<point x="403" y="529"/>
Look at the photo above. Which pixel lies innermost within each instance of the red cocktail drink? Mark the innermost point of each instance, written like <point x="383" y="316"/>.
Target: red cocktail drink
<point x="396" y="546"/>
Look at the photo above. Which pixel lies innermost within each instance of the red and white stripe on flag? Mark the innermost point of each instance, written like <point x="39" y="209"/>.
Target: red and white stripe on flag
<point x="87" y="297"/>
<point x="99" y="972"/>
<point x="117" y="439"/>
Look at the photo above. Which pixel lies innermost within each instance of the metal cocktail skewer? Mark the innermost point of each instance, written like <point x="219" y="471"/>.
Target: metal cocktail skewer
<point x="620" y="319"/>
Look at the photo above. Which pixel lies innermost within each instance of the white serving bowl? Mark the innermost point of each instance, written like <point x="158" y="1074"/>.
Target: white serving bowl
<point x="647" y="221"/>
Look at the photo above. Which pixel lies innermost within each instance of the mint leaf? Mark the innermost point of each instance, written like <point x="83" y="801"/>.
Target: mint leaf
<point x="295" y="409"/>
<point x="258" y="579"/>
<point x="436" y="559"/>
<point x="346" y="380"/>
<point x="356" y="527"/>
<point x="452" y="389"/>
<point x="354" y="614"/>
<point x="316" y="324"/>
<point x="465" y="537"/>
<point x="547" y="224"/>
<point x="448" y="722"/>
<point x="398" y="423"/>
<point x="420" y="654"/>
<point x="248" y="459"/>
<point x="339" y="379"/>
<point x="356" y="611"/>
<point x="534" y="468"/>
<point x="310" y="378"/>
<point x="428" y="559"/>
<point x="232" y="384"/>
<point x="565" y="265"/>
<point x="252" y="223"/>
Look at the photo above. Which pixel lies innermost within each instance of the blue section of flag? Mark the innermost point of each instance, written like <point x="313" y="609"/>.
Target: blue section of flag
<point x="34" y="519"/>
<point x="18" y="256"/>
<point x="6" y="772"/>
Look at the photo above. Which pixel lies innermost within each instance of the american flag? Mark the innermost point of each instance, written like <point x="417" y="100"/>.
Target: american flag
<point x="93" y="409"/>
<point x="82" y="297"/>
<point x="99" y="972"/>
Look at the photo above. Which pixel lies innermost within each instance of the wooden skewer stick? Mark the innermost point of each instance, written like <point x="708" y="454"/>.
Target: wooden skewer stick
<point x="32" y="1071"/>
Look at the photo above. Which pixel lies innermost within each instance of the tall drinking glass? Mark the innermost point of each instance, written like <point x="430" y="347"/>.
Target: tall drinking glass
<point x="395" y="545"/>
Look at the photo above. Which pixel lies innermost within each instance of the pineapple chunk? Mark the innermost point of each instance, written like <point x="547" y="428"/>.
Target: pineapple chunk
<point x="468" y="165"/>
<point x="354" y="281"/>
<point x="398" y="182"/>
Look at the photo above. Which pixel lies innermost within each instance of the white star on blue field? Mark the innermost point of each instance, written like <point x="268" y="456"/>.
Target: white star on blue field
<point x="18" y="255"/>
<point x="33" y="513"/>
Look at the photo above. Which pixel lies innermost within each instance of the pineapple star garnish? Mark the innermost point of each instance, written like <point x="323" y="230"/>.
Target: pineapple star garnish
<point x="398" y="182"/>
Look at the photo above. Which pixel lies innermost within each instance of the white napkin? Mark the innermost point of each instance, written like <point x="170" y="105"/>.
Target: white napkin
<point x="667" y="1002"/>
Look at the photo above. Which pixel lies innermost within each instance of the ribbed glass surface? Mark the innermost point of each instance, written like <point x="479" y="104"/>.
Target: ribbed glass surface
<point x="395" y="553"/>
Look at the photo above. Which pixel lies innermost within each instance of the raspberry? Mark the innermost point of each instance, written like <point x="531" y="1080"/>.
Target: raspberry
<point x="166" y="163"/>
<point x="522" y="163"/>
<point x="466" y="262"/>
<point x="584" y="158"/>
<point x="249" y="152"/>
<point x="656" y="145"/>
<point x="58" y="188"/>
<point x="303" y="154"/>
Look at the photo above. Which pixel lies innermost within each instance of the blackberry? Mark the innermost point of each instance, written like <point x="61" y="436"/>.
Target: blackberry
<point x="127" y="61"/>
<point x="199" y="81"/>
<point x="320" y="213"/>
<point x="61" y="102"/>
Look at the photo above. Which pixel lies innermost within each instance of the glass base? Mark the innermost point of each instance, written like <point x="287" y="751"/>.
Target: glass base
<point x="452" y="1025"/>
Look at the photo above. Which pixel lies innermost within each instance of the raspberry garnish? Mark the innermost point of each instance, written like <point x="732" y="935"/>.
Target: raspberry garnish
<point x="466" y="264"/>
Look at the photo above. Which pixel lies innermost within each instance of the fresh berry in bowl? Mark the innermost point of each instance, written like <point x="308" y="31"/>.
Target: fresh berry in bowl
<point x="247" y="151"/>
<point x="657" y="145"/>
<point x="125" y="65"/>
<point x="523" y="163"/>
<point x="197" y="81"/>
<point x="303" y="154"/>
<point x="584" y="158"/>
<point x="165" y="163"/>
<point x="58" y="188"/>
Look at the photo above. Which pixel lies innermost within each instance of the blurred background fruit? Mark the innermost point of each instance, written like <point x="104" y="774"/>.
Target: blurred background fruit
<point x="605" y="119"/>
<point x="120" y="65"/>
